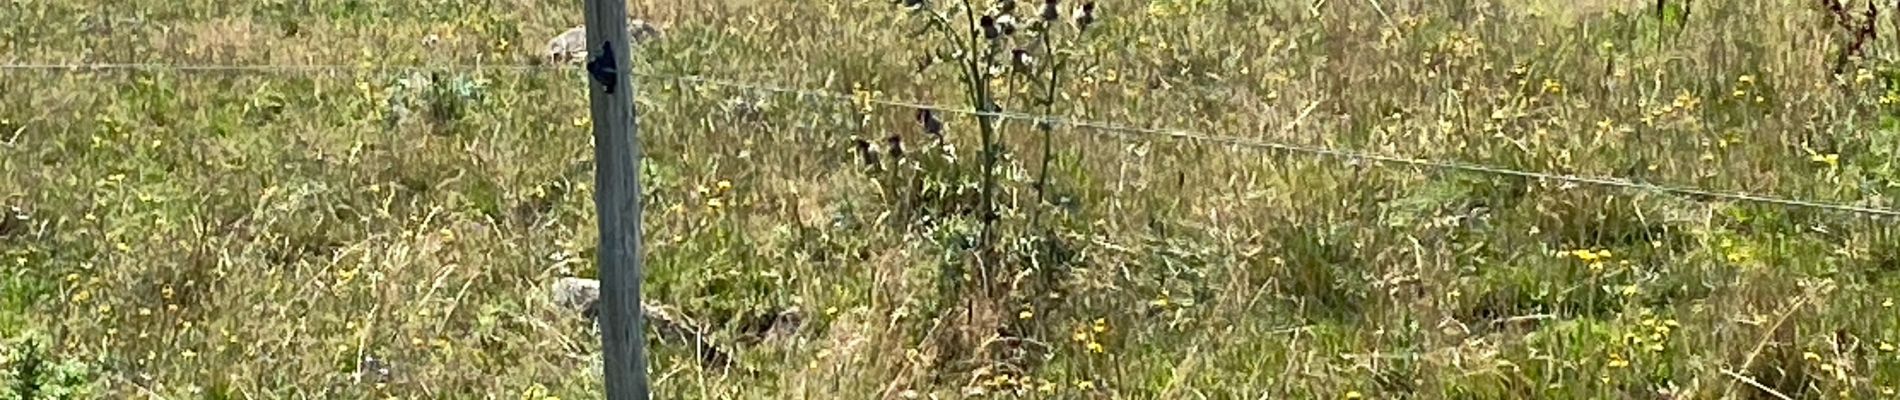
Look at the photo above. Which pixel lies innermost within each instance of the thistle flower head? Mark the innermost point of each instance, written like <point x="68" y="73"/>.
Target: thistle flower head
<point x="1022" y="59"/>
<point x="1086" y="16"/>
<point x="1007" y="23"/>
<point x="931" y="124"/>
<point x="895" y="146"/>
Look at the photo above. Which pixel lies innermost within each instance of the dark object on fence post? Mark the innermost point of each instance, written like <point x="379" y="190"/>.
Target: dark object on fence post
<point x="617" y="198"/>
<point x="603" y="69"/>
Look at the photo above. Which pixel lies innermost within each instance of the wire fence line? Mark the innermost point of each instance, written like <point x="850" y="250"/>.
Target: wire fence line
<point x="1097" y="127"/>
<point x="272" y="68"/>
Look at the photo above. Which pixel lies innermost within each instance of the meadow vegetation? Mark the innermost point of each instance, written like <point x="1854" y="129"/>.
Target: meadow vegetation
<point x="370" y="232"/>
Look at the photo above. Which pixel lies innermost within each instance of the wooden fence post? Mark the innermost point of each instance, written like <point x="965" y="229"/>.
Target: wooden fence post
<point x="617" y="199"/>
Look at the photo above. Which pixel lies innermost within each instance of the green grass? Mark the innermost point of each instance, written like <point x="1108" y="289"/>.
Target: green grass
<point x="257" y="235"/>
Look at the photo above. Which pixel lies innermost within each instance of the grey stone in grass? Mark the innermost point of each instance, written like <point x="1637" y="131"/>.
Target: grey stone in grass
<point x="570" y="47"/>
<point x="13" y="220"/>
<point x="583" y="295"/>
<point x="577" y="294"/>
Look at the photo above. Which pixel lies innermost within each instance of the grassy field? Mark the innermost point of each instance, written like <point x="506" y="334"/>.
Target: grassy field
<point x="371" y="233"/>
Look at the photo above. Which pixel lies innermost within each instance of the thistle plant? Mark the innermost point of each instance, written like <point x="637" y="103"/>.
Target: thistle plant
<point x="1058" y="59"/>
<point x="1859" y="29"/>
<point x="974" y="49"/>
<point x="996" y="47"/>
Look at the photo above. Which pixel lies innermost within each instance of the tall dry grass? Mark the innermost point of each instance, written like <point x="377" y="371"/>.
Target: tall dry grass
<point x="376" y="234"/>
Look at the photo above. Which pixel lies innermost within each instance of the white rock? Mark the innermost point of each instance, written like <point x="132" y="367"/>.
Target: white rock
<point x="571" y="46"/>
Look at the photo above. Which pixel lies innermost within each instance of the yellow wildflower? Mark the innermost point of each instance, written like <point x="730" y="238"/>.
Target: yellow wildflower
<point x="1832" y="160"/>
<point x="1552" y="86"/>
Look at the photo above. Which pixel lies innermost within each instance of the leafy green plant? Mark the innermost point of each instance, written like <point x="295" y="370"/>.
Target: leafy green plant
<point x="442" y="100"/>
<point x="29" y="372"/>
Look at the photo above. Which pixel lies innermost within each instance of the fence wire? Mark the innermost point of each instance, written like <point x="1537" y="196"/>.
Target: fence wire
<point x="1097" y="127"/>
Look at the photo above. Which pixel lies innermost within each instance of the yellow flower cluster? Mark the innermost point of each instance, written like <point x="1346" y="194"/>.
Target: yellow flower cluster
<point x="1735" y="253"/>
<point x="1166" y="301"/>
<point x="1836" y="368"/>
<point x="1174" y="8"/>
<point x="717" y="197"/>
<point x="1089" y="336"/>
<point x="1658" y="337"/>
<point x="1683" y="107"/>
<point x="985" y="381"/>
<point x="1652" y="337"/>
<point x="1744" y="86"/>
<point x="865" y="100"/>
<point x="1597" y="259"/>
<point x="1553" y="87"/>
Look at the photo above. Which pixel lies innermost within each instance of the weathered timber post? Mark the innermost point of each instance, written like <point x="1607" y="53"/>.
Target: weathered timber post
<point x="617" y="199"/>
